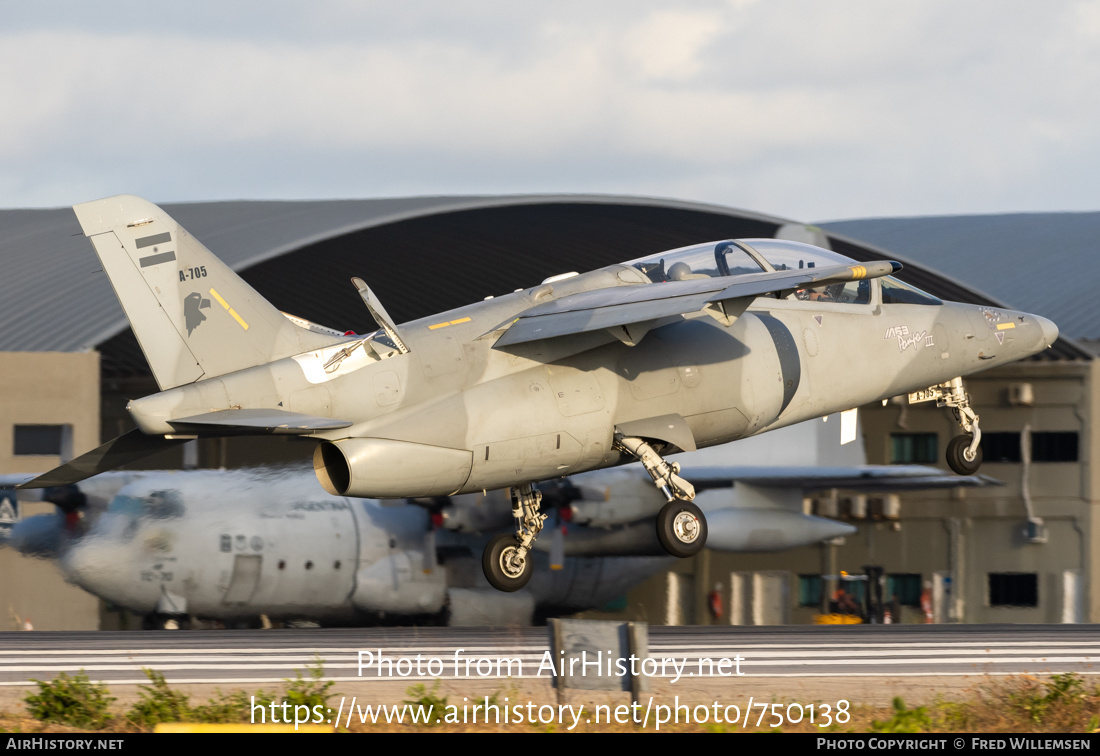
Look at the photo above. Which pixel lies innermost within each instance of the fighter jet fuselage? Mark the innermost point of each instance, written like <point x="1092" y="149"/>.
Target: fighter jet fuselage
<point x="455" y="415"/>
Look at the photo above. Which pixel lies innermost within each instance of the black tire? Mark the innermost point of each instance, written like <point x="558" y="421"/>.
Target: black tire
<point x="681" y="528"/>
<point x="498" y="562"/>
<point x="956" y="456"/>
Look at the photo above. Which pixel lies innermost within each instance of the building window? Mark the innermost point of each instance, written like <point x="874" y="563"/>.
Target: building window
<point x="40" y="440"/>
<point x="1000" y="447"/>
<point x="809" y="590"/>
<point x="906" y="586"/>
<point x="1054" y="446"/>
<point x="1013" y="589"/>
<point x="1046" y="446"/>
<point x="914" y="448"/>
<point x="620" y="604"/>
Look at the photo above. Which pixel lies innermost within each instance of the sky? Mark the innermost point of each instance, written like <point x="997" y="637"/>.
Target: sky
<point x="804" y="109"/>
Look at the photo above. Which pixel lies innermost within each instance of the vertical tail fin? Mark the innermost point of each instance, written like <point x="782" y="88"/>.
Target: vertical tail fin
<point x="193" y="316"/>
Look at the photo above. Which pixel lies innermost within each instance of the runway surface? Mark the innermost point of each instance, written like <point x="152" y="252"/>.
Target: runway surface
<point x="271" y="656"/>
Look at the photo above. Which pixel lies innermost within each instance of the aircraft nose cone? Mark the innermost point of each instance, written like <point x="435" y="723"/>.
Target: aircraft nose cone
<point x="1050" y="330"/>
<point x="92" y="564"/>
<point x="79" y="564"/>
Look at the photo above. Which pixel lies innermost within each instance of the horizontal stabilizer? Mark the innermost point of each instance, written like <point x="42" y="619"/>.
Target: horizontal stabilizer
<point x="247" y="422"/>
<point x="625" y="305"/>
<point x="123" y="450"/>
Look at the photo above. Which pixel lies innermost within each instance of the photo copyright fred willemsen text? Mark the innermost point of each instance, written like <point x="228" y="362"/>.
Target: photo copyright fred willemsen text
<point x="494" y="710"/>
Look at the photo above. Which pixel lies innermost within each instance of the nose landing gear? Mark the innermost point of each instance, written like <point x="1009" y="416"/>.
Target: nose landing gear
<point x="964" y="455"/>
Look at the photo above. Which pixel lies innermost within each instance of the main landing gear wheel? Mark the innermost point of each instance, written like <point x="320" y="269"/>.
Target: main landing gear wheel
<point x="681" y="528"/>
<point x="959" y="457"/>
<point x="506" y="567"/>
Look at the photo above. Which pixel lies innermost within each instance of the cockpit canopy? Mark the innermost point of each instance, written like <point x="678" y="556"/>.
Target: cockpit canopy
<point x="746" y="256"/>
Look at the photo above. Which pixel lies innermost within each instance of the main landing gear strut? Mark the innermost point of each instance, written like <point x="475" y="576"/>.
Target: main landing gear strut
<point x="681" y="526"/>
<point x="507" y="559"/>
<point x="964" y="455"/>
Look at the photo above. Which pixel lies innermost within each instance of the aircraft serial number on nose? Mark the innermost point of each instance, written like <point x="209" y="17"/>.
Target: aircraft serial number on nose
<point x="190" y="274"/>
<point x="924" y="395"/>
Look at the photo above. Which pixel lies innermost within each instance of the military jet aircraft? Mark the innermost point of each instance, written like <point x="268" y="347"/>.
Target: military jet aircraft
<point x="670" y="352"/>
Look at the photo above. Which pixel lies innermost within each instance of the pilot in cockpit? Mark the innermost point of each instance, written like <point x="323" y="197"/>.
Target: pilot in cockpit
<point x="681" y="271"/>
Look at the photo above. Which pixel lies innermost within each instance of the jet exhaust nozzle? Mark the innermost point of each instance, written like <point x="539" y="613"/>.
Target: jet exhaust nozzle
<point x="379" y="468"/>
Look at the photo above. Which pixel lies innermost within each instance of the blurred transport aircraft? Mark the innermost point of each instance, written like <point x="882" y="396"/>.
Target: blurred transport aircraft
<point x="235" y="546"/>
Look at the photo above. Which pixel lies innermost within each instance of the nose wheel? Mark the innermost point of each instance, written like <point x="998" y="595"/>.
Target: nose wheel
<point x="961" y="458"/>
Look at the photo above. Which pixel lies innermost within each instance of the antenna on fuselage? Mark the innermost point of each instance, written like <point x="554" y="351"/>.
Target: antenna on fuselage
<point x="378" y="312"/>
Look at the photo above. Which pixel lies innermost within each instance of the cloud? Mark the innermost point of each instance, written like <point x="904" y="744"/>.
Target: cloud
<point x="797" y="108"/>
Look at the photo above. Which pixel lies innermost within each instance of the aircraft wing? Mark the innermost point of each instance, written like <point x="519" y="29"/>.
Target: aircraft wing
<point x="858" y="478"/>
<point x="626" y="305"/>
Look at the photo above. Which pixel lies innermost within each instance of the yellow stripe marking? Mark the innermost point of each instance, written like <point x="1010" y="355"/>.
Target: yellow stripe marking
<point x="448" y="323"/>
<point x="1005" y="326"/>
<point x="858" y="271"/>
<point x="231" y="311"/>
<point x="238" y="318"/>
